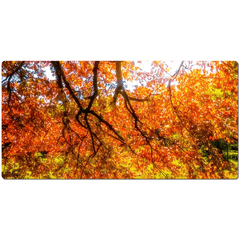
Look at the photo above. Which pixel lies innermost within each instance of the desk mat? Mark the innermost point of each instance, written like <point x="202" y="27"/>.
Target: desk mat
<point x="120" y="120"/>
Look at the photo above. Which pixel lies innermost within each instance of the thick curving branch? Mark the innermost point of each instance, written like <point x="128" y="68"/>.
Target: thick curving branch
<point x="60" y="77"/>
<point x="92" y="98"/>
<point x="119" y="82"/>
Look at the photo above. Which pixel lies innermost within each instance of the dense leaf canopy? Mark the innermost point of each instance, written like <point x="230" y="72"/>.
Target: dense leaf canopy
<point x="108" y="119"/>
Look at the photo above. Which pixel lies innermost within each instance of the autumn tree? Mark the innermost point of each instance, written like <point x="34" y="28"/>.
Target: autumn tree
<point x="112" y="119"/>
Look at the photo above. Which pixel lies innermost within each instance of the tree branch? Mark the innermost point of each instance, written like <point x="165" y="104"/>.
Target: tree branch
<point x="8" y="79"/>
<point x="95" y="69"/>
<point x="107" y="124"/>
<point x="60" y="74"/>
<point x="119" y="82"/>
<point x="139" y="100"/>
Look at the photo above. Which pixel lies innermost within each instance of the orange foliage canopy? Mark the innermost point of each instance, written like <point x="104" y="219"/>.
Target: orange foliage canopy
<point x="106" y="119"/>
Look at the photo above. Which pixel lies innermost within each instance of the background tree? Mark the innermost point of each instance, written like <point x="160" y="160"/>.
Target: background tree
<point x="88" y="123"/>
